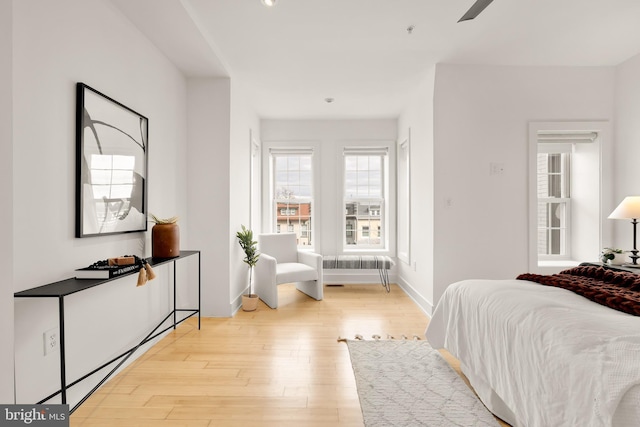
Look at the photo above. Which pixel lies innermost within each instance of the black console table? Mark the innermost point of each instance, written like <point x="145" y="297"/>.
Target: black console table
<point x="70" y="286"/>
<point x="623" y="267"/>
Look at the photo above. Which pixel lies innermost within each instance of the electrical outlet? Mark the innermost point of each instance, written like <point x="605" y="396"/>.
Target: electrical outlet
<point x="50" y="338"/>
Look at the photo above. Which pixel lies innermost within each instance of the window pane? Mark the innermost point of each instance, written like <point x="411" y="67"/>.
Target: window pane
<point x="351" y="182"/>
<point x="305" y="177"/>
<point x="553" y="175"/>
<point x="552" y="228"/>
<point x="363" y="162"/>
<point x="555" y="186"/>
<point x="281" y="163"/>
<point x="555" y="165"/>
<point x="305" y="163"/>
<point x="363" y="223"/>
<point x="351" y="163"/>
<point x="294" y="162"/>
<point x="375" y="184"/>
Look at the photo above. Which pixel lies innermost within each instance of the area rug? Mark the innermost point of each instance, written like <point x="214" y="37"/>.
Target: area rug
<point x="408" y="383"/>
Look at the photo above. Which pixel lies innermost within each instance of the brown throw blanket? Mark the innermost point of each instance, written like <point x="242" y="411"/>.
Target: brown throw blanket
<point x="619" y="290"/>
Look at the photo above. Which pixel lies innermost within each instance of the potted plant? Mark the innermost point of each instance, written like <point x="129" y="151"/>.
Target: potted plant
<point x="165" y="237"/>
<point x="613" y="256"/>
<point x="248" y="245"/>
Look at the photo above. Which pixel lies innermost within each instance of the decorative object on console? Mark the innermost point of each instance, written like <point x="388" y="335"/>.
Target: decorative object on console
<point x="111" y="165"/>
<point x="114" y="267"/>
<point x="248" y="245"/>
<point x="165" y="237"/>
<point x="613" y="256"/>
<point x="629" y="208"/>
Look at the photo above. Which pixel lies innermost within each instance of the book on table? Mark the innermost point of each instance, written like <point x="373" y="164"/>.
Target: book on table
<point x="105" y="272"/>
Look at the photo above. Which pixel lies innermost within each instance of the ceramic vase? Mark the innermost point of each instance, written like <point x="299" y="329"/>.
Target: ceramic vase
<point x="165" y="240"/>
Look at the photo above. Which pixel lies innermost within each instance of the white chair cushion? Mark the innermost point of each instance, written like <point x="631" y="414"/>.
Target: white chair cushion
<point x="289" y="272"/>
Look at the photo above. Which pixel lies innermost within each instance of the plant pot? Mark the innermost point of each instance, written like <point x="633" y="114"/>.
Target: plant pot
<point x="165" y="240"/>
<point x="249" y="302"/>
<point x="618" y="259"/>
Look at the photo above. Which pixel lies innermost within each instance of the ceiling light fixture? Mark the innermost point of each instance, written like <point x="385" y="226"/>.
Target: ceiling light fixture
<point x="269" y="3"/>
<point x="328" y="100"/>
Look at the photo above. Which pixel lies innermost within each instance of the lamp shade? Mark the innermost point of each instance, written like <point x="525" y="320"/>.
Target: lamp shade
<point x="629" y="208"/>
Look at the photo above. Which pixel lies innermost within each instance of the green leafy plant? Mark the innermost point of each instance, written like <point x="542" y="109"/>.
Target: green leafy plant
<point x="249" y="246"/>
<point x="609" y="254"/>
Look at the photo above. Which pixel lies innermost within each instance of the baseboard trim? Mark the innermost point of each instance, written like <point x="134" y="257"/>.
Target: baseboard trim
<point x="425" y="305"/>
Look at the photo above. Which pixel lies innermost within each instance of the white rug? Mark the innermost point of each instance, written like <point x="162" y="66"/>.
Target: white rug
<point x="408" y="383"/>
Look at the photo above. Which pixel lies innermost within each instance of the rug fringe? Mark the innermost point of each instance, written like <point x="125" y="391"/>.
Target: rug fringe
<point x="359" y="337"/>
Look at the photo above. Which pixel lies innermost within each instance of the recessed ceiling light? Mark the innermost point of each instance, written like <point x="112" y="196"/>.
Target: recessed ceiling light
<point x="269" y="3"/>
<point x="328" y="100"/>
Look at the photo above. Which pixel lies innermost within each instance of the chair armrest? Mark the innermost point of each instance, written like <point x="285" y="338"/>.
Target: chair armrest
<point x="266" y="266"/>
<point x="311" y="259"/>
<point x="264" y="280"/>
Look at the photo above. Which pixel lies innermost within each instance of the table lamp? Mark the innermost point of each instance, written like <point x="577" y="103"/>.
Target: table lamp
<point x="629" y="208"/>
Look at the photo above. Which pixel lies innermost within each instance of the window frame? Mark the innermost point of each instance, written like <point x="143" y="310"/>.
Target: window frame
<point x="270" y="218"/>
<point x="588" y="235"/>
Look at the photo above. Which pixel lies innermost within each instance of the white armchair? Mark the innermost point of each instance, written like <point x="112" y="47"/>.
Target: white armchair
<point x="281" y="262"/>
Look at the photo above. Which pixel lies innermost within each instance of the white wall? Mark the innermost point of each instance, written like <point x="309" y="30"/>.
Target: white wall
<point x="209" y="197"/>
<point x="6" y="193"/>
<point x="244" y="127"/>
<point x="627" y="150"/>
<point x="417" y="278"/>
<point x="220" y="125"/>
<point x="57" y="44"/>
<point x="481" y="116"/>
<point x="329" y="136"/>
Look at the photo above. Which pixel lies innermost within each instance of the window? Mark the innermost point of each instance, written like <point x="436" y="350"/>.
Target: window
<point x="554" y="202"/>
<point x="292" y="192"/>
<point x="565" y="193"/>
<point x="364" y="197"/>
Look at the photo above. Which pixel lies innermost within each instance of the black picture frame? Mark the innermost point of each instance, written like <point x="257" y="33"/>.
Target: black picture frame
<point x="112" y="147"/>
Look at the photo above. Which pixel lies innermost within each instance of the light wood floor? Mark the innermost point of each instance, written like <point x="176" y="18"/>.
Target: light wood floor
<point x="279" y="367"/>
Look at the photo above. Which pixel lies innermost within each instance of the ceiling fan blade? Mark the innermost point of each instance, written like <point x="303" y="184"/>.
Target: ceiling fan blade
<point x="475" y="10"/>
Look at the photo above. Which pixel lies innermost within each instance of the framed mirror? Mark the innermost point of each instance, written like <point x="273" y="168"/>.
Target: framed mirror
<point x="111" y="165"/>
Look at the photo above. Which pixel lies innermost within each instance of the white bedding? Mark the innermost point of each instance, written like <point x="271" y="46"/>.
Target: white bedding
<point x="542" y="356"/>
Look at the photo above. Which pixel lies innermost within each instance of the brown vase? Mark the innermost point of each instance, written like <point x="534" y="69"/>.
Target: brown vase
<point x="165" y="241"/>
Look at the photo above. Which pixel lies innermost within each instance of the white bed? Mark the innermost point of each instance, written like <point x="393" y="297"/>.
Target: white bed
<point x="542" y="356"/>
